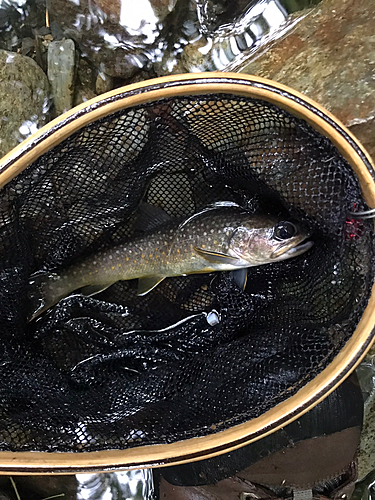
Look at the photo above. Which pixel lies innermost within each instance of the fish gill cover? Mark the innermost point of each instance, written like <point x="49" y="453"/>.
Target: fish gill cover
<point x="118" y="370"/>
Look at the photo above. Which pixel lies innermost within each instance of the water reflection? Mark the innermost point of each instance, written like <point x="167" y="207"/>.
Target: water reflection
<point x="121" y="38"/>
<point x="115" y="42"/>
<point x="129" y="485"/>
<point x="226" y="45"/>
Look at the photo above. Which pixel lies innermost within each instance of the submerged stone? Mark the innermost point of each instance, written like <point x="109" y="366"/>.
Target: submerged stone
<point x="103" y="83"/>
<point x="61" y="73"/>
<point x="24" y="102"/>
<point x="119" y="38"/>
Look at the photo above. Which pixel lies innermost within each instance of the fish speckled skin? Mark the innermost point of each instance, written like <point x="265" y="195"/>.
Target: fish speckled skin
<point x="220" y="238"/>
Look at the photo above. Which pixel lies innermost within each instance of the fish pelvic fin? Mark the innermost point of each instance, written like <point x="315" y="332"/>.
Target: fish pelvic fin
<point x="145" y="285"/>
<point x="216" y="257"/>
<point x="239" y="276"/>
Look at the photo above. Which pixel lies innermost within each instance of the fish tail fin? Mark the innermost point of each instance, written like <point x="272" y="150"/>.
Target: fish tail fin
<point x="40" y="293"/>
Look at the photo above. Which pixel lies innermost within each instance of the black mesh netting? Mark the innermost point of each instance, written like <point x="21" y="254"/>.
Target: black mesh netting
<point x="118" y="370"/>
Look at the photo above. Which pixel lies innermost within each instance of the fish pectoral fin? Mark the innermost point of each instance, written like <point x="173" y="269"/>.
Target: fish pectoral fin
<point x="145" y="285"/>
<point x="216" y="257"/>
<point x="240" y="277"/>
<point x="90" y="290"/>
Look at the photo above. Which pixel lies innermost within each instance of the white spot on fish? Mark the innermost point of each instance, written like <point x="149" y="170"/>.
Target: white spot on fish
<point x="212" y="230"/>
<point x="204" y="234"/>
<point x="94" y="263"/>
<point x="110" y="257"/>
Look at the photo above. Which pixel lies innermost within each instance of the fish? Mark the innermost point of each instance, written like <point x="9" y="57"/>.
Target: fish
<point x="221" y="237"/>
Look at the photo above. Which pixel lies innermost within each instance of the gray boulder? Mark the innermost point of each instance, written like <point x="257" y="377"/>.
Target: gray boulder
<point x="24" y="102"/>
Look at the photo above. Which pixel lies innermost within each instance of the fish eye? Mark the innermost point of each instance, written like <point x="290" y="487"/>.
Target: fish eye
<point x="285" y="230"/>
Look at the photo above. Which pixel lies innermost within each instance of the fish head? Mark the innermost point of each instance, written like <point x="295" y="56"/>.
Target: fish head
<point x="268" y="240"/>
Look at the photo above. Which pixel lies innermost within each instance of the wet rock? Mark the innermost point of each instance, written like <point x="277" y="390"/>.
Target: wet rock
<point x="104" y="83"/>
<point x="141" y="76"/>
<point x="28" y="46"/>
<point x="43" y="31"/>
<point x="56" y="31"/>
<point x="117" y="43"/>
<point x="41" y="52"/>
<point x="86" y="74"/>
<point x="24" y="102"/>
<point x="85" y="82"/>
<point x="18" y="20"/>
<point x="61" y="73"/>
<point x="330" y="57"/>
<point x="366" y="452"/>
<point x="82" y="95"/>
<point x="162" y="8"/>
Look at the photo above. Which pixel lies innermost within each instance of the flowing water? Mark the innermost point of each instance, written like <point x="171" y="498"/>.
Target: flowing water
<point x="82" y="48"/>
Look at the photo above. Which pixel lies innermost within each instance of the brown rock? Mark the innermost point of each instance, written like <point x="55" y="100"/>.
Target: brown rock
<point x="111" y="7"/>
<point x="330" y="57"/>
<point x="162" y="8"/>
<point x="85" y="83"/>
<point x="103" y="83"/>
<point x="86" y="75"/>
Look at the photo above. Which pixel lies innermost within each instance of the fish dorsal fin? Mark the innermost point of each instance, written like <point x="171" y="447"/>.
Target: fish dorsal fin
<point x="90" y="290"/>
<point x="145" y="285"/>
<point x="150" y="217"/>
<point x="216" y="257"/>
<point x="239" y="276"/>
<point x="210" y="208"/>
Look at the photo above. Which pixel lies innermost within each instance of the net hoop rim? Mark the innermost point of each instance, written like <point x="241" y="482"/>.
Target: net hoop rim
<point x="313" y="392"/>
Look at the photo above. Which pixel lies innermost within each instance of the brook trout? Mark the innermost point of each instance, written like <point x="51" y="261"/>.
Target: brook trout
<point x="224" y="237"/>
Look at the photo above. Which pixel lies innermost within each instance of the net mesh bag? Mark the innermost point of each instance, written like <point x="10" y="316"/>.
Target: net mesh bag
<point x="117" y="370"/>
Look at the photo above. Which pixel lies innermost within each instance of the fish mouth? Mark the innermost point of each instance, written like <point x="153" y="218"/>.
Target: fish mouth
<point x="299" y="249"/>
